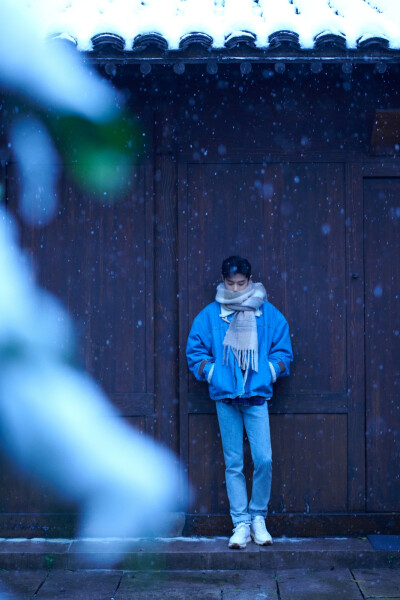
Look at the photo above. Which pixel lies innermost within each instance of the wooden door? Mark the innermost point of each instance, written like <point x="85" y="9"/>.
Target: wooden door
<point x="381" y="237"/>
<point x="290" y="221"/>
<point x="98" y="260"/>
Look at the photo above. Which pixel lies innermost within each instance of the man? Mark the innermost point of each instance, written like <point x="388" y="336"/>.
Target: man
<point x="240" y="345"/>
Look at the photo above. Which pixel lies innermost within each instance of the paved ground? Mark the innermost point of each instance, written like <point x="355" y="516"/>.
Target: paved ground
<point x="290" y="584"/>
<point x="197" y="569"/>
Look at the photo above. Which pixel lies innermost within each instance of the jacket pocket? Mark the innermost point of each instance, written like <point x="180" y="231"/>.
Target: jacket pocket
<point x="260" y="383"/>
<point x="222" y="383"/>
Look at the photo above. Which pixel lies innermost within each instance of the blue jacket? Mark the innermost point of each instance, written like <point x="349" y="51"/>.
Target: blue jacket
<point x="205" y="349"/>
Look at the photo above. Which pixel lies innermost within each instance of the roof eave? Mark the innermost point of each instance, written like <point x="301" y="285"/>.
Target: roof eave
<point x="254" y="56"/>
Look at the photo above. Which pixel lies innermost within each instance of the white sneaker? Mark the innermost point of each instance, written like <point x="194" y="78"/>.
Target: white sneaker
<point x="241" y="535"/>
<point x="259" y="532"/>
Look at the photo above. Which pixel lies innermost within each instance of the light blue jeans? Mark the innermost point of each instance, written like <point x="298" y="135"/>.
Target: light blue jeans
<point x="255" y="419"/>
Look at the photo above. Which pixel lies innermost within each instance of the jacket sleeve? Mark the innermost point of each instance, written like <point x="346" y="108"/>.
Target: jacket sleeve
<point x="280" y="354"/>
<point x="199" y="349"/>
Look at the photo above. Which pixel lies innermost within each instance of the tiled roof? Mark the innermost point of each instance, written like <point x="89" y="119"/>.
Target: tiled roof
<point x="267" y="26"/>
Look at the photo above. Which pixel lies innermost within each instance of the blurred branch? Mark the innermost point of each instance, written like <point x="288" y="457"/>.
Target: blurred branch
<point x="57" y="423"/>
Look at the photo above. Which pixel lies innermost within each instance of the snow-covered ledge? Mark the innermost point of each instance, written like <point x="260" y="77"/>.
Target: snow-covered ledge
<point x="353" y="20"/>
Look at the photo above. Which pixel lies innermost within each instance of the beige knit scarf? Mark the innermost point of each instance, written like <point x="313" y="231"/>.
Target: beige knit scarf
<point x="241" y="336"/>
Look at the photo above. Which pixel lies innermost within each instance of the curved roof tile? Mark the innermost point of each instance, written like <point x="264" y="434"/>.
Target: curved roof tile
<point x="240" y="38"/>
<point x="330" y="40"/>
<point x="108" y="41"/>
<point x="288" y="40"/>
<point x="377" y="43"/>
<point x="308" y="21"/>
<point x="143" y="41"/>
<point x="195" y="39"/>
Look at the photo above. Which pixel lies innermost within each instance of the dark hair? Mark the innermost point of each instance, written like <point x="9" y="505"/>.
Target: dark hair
<point x="236" y="264"/>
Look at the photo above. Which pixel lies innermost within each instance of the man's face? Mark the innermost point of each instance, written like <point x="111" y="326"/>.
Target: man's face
<point x="236" y="282"/>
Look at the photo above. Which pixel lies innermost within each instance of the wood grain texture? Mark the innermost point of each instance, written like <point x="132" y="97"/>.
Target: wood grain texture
<point x="278" y="167"/>
<point x="382" y="341"/>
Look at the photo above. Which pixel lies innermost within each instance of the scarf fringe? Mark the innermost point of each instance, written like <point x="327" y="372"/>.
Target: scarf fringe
<point x="246" y="358"/>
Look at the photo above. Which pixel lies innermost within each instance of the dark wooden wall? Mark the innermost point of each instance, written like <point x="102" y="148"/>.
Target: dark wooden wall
<point x="277" y="167"/>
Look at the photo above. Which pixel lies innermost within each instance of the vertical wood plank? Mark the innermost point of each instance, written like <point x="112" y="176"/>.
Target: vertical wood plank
<point x="184" y="324"/>
<point x="149" y="274"/>
<point x="355" y="338"/>
<point x="382" y="341"/>
<point x="206" y="466"/>
<point x="166" y="303"/>
<point x="137" y="423"/>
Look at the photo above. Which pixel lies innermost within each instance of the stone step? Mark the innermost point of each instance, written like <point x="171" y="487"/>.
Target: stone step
<point x="192" y="554"/>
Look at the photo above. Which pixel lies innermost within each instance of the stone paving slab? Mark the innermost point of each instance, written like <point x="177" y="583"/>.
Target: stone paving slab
<point x="79" y="585"/>
<point x="302" y="584"/>
<point x="290" y="584"/>
<point x="229" y="585"/>
<point x="385" y="581"/>
<point x="23" y="584"/>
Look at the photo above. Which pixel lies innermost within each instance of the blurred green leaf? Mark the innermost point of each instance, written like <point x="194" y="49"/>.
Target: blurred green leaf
<point x="102" y="154"/>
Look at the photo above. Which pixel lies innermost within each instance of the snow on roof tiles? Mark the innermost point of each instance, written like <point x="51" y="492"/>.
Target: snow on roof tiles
<point x="353" y="21"/>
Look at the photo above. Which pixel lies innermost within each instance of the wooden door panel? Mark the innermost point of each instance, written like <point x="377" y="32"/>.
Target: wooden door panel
<point x="306" y="223"/>
<point x="309" y="454"/>
<point x="206" y="466"/>
<point x="21" y="494"/>
<point x="382" y="341"/>
<point x="289" y="221"/>
<point x="98" y="259"/>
